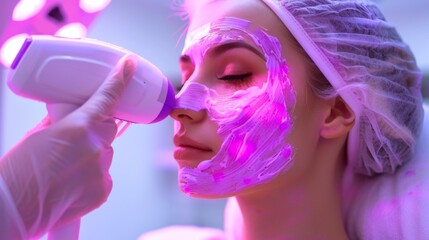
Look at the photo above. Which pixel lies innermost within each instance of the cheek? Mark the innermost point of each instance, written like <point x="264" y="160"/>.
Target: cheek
<point x="210" y="129"/>
<point x="305" y="134"/>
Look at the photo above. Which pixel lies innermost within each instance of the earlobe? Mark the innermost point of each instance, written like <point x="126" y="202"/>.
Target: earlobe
<point x="339" y="120"/>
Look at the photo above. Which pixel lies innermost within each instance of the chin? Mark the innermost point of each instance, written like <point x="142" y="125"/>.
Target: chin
<point x="208" y="196"/>
<point x="186" y="164"/>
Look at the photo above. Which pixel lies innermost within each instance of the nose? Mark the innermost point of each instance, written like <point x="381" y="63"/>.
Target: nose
<point x="188" y="116"/>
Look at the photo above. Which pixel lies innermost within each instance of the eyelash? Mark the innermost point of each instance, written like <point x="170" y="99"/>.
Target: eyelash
<point x="236" y="78"/>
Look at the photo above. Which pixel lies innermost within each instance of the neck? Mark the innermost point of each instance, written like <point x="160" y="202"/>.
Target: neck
<point x="307" y="208"/>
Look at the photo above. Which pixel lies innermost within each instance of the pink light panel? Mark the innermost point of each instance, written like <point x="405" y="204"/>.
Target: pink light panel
<point x="11" y="47"/>
<point x="26" y="9"/>
<point x="66" y="18"/>
<point x="92" y="6"/>
<point x="72" y="30"/>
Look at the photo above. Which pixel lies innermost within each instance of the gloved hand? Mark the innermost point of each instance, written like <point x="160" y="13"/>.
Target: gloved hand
<point x="59" y="171"/>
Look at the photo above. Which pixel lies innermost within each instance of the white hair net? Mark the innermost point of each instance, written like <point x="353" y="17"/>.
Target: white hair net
<point x="369" y="66"/>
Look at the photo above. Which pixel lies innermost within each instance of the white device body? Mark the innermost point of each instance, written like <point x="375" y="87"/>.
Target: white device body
<point x="64" y="73"/>
<point x="68" y="71"/>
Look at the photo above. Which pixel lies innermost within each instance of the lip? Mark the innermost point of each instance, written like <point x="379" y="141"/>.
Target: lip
<point x="186" y="142"/>
<point x="190" y="151"/>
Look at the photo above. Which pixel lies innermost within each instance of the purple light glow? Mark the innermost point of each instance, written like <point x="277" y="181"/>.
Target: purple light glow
<point x="410" y="173"/>
<point x="21" y="53"/>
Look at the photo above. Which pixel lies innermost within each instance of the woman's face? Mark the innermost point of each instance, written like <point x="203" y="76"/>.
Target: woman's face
<point x="245" y="113"/>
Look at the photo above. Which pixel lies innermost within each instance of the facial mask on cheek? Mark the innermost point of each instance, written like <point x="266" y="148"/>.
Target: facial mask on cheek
<point x="253" y="123"/>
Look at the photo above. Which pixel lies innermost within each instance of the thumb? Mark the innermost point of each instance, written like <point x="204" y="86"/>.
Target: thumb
<point x="102" y="103"/>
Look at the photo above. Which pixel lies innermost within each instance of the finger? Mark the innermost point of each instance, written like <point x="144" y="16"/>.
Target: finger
<point x="105" y="131"/>
<point x="104" y="100"/>
<point x="106" y="158"/>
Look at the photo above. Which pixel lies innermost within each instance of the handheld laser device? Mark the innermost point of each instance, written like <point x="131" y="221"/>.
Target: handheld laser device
<point x="65" y="72"/>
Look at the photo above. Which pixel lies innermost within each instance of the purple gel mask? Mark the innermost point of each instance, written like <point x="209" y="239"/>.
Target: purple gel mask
<point x="254" y="123"/>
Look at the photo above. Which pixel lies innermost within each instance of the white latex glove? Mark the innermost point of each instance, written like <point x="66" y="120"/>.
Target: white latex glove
<point x="59" y="171"/>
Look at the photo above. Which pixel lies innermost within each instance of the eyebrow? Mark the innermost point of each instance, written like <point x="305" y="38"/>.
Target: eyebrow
<point x="218" y="50"/>
<point x="227" y="46"/>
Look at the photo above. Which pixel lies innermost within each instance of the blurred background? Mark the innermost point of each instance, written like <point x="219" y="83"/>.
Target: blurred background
<point x="145" y="194"/>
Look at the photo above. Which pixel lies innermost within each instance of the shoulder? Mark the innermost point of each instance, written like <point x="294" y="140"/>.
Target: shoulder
<point x="394" y="206"/>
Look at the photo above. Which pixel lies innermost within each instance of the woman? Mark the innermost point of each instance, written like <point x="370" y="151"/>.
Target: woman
<point x="284" y="102"/>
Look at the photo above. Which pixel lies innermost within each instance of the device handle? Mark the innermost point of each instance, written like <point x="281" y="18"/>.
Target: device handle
<point x="69" y="231"/>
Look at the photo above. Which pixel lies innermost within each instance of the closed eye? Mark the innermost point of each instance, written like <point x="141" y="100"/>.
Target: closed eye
<point x="239" y="77"/>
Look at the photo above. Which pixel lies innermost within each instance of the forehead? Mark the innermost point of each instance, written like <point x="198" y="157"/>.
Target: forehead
<point x="256" y="15"/>
<point x="228" y="33"/>
<point x="219" y="32"/>
<point x="211" y="10"/>
<point x="254" y="11"/>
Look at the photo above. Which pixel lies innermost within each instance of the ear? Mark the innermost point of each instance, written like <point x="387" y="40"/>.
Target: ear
<point x="338" y="121"/>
